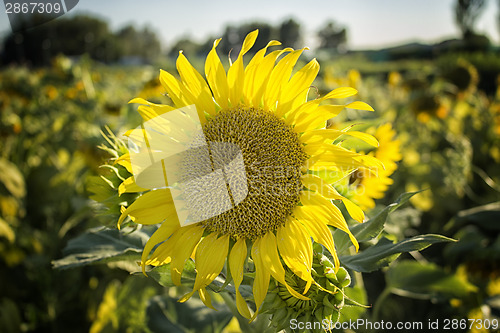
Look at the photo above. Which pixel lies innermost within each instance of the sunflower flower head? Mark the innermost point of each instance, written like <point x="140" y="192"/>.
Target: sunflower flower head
<point x="234" y="179"/>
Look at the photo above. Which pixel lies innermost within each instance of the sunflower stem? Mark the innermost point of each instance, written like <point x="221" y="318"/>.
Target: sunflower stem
<point x="378" y="303"/>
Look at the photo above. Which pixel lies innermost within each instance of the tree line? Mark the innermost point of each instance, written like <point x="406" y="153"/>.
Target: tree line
<point x="75" y="36"/>
<point x="78" y="35"/>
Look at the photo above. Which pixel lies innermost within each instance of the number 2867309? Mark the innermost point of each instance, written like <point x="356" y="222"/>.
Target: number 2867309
<point x="33" y="8"/>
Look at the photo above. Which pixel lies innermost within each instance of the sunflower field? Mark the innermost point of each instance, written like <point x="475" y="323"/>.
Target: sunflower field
<point x="425" y="257"/>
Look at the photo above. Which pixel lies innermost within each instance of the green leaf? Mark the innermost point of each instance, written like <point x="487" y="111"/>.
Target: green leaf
<point x="486" y="217"/>
<point x="370" y="229"/>
<point x="102" y="245"/>
<point x="384" y="252"/>
<point x="167" y="315"/>
<point x="99" y="188"/>
<point x="408" y="278"/>
<point x="162" y="275"/>
<point x="132" y="300"/>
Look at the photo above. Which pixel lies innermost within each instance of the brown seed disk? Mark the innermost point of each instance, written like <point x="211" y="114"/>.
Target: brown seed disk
<point x="272" y="156"/>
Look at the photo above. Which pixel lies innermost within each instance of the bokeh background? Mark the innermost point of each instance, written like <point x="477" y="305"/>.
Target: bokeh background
<point x="429" y="68"/>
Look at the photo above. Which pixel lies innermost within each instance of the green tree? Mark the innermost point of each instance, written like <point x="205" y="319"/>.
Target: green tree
<point x="76" y="36"/>
<point x="189" y="47"/>
<point x="233" y="35"/>
<point x="290" y="34"/>
<point x="332" y="37"/>
<point x="466" y="14"/>
<point x="70" y="36"/>
<point x="139" y="43"/>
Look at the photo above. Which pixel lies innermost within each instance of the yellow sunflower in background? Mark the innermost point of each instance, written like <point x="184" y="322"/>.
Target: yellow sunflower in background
<point x="369" y="185"/>
<point x="265" y="111"/>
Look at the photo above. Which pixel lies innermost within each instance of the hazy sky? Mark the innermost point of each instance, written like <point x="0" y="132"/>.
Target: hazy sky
<point x="370" y="23"/>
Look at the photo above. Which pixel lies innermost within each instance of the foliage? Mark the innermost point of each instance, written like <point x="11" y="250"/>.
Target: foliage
<point x="332" y="37"/>
<point x="50" y="128"/>
<point x="76" y="36"/>
<point x="466" y="14"/>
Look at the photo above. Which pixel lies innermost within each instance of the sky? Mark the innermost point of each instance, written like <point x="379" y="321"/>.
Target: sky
<point x="370" y="23"/>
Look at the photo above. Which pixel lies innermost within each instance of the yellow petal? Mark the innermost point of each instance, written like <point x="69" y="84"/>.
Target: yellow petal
<point x="368" y="138"/>
<point x="236" y="264"/>
<point x="321" y="135"/>
<point x="194" y="82"/>
<point x="249" y="41"/>
<point x="354" y="210"/>
<point x="320" y="233"/>
<point x="331" y="149"/>
<point x="296" y="249"/>
<point x="124" y="161"/>
<point x="270" y="258"/>
<point x="359" y="106"/>
<point x="236" y="73"/>
<point x="205" y="298"/>
<point x="164" y="252"/>
<point x="252" y="70"/>
<point x="173" y="88"/>
<point x="318" y="207"/>
<point x="262" y="276"/>
<point x="301" y="111"/>
<point x="317" y="119"/>
<point x="315" y="183"/>
<point x="298" y="113"/>
<point x="261" y="76"/>
<point x="182" y="252"/>
<point x="279" y="77"/>
<point x="129" y="186"/>
<point x="341" y="92"/>
<point x="336" y="157"/>
<point x="150" y="110"/>
<point x="150" y="208"/>
<point x="295" y="91"/>
<point x="210" y="257"/>
<point x="216" y="77"/>
<point x="138" y="100"/>
<point x="163" y="233"/>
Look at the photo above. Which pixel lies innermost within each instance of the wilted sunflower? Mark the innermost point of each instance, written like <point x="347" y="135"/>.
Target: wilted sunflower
<point x="263" y="110"/>
<point x="369" y="185"/>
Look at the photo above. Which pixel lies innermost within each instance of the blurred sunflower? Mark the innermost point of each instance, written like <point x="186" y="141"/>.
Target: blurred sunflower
<point x="369" y="186"/>
<point x="266" y="113"/>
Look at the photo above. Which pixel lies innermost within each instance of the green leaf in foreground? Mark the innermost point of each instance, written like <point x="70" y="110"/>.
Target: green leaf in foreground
<point x="486" y="217"/>
<point x="384" y="252"/>
<point x="162" y="275"/>
<point x="167" y="315"/>
<point x="101" y="245"/>
<point x="408" y="278"/>
<point x="353" y="312"/>
<point x="372" y="228"/>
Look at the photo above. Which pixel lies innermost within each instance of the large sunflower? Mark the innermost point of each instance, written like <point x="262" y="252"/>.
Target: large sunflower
<point x="263" y="110"/>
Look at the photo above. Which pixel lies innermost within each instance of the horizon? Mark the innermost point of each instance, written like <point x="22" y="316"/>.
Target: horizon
<point x="358" y="19"/>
